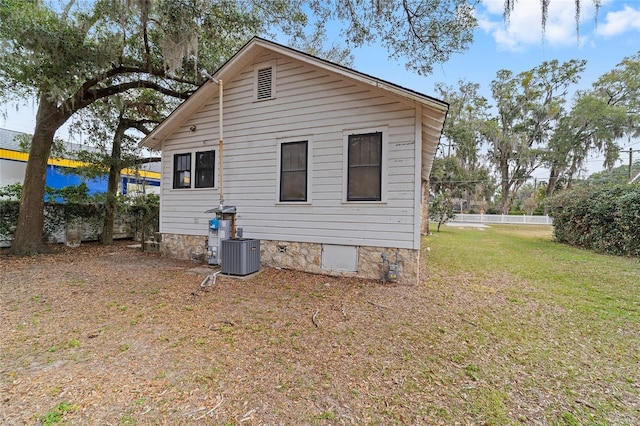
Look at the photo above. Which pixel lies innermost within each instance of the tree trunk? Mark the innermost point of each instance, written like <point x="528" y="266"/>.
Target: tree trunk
<point x="571" y="172"/>
<point x="28" y="238"/>
<point x="504" y="183"/>
<point x="504" y="208"/>
<point x="112" y="187"/>
<point x="110" y="206"/>
<point x="554" y="175"/>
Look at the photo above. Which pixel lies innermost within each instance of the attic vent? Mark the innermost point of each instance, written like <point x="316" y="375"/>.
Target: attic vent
<point x="265" y="78"/>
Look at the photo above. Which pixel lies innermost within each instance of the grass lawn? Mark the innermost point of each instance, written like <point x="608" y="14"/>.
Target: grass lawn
<point x="558" y="334"/>
<point x="506" y="327"/>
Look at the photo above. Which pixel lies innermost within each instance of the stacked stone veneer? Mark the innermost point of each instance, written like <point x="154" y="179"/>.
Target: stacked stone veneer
<point x="177" y="246"/>
<point x="305" y="257"/>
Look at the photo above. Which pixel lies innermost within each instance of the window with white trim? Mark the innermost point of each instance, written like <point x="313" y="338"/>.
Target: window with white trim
<point x="205" y="167"/>
<point x="182" y="171"/>
<point x="364" y="167"/>
<point x="293" y="171"/>
<point x="186" y="176"/>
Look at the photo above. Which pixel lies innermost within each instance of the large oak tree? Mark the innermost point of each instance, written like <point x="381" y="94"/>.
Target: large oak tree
<point x="69" y="55"/>
<point x="529" y="107"/>
<point x="113" y="128"/>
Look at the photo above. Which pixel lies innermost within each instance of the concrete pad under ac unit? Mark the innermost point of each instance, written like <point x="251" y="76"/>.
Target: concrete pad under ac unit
<point x="340" y="258"/>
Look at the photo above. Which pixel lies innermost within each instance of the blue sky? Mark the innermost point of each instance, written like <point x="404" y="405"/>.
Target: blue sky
<point x="520" y="45"/>
<point x="517" y="46"/>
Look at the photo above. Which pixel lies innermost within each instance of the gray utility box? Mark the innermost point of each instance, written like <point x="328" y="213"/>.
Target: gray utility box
<point x="240" y="256"/>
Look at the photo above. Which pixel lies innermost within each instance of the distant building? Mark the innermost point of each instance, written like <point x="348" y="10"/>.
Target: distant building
<point x="13" y="164"/>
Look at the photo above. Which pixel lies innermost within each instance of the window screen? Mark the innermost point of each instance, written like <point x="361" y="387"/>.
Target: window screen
<point x="365" y="167"/>
<point x="205" y="166"/>
<point x="293" y="171"/>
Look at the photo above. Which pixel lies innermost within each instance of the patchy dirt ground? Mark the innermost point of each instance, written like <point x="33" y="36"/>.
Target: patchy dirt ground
<point x="110" y="335"/>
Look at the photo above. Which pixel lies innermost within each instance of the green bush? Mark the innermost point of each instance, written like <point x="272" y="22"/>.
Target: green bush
<point x="11" y="192"/>
<point x="66" y="204"/>
<point x="8" y="218"/>
<point x="604" y="219"/>
<point x="441" y="210"/>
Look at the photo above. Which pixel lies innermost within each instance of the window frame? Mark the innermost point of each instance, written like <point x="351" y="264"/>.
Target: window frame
<point x="176" y="171"/>
<point x="282" y="171"/>
<point x="199" y="170"/>
<point x="384" y="135"/>
<point x="309" y="187"/>
<point x="192" y="153"/>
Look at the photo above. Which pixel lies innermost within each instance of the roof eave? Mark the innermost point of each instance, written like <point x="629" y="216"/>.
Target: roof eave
<point x="245" y="55"/>
<point x="356" y="75"/>
<point x="155" y="139"/>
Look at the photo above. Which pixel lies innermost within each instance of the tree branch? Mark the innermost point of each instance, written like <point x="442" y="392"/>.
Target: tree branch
<point x="84" y="98"/>
<point x="124" y="70"/>
<point x="139" y="125"/>
<point x="410" y="15"/>
<point x="67" y="8"/>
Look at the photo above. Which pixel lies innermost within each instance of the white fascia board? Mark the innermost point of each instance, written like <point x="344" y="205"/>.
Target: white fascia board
<point x="167" y="126"/>
<point x="355" y="75"/>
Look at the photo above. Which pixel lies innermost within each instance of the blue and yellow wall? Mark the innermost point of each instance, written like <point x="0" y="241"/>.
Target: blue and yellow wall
<point x="13" y="165"/>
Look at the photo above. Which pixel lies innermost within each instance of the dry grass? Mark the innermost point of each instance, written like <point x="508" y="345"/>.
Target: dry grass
<point x="109" y="335"/>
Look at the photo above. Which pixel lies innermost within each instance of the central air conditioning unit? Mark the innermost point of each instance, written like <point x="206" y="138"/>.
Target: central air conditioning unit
<point x="240" y="256"/>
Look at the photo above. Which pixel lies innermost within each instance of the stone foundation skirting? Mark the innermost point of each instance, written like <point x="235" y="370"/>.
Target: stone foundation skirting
<point x="190" y="247"/>
<point x="370" y="263"/>
<point x="306" y="257"/>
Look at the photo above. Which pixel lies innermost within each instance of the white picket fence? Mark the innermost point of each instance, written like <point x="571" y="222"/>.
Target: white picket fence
<point x="503" y="218"/>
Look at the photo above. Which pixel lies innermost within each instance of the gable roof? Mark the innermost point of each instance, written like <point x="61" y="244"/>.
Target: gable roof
<point x="434" y="111"/>
<point x="8" y="139"/>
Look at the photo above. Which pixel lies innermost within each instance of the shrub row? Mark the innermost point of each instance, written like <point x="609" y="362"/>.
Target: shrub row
<point x="58" y="214"/>
<point x="604" y="219"/>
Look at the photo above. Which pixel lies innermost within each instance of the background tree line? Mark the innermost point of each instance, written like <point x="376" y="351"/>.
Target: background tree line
<point x="491" y="148"/>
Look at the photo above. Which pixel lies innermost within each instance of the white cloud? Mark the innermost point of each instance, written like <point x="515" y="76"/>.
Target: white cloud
<point x="525" y="23"/>
<point x="619" y="22"/>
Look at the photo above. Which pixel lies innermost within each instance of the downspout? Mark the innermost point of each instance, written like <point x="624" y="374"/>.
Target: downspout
<point x="205" y="74"/>
<point x="221" y="142"/>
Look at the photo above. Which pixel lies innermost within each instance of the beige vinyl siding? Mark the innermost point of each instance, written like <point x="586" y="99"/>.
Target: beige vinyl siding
<point x="309" y="102"/>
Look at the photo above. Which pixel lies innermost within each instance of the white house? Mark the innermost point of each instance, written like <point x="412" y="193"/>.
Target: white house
<point x="323" y="164"/>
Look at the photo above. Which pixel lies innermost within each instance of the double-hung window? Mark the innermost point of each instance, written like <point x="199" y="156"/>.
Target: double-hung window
<point x="293" y="171"/>
<point x="364" y="168"/>
<point x="184" y="174"/>
<point x="182" y="171"/>
<point x="205" y="166"/>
